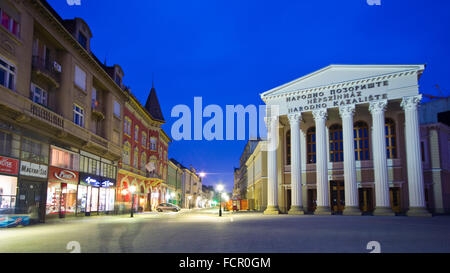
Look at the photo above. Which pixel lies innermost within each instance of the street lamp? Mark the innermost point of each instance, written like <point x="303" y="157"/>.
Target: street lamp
<point x="189" y="197"/>
<point x="220" y="189"/>
<point x="133" y="191"/>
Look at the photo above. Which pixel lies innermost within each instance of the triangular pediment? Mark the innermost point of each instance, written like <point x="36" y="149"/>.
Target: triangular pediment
<point x="335" y="74"/>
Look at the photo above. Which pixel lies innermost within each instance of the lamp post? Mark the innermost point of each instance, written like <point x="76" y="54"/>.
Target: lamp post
<point x="220" y="189"/>
<point x="133" y="190"/>
<point x="189" y="197"/>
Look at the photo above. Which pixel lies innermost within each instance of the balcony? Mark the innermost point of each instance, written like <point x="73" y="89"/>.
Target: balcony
<point x="97" y="110"/>
<point x="46" y="70"/>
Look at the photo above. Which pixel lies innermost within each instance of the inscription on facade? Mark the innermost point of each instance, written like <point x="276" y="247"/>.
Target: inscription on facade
<point x="337" y="97"/>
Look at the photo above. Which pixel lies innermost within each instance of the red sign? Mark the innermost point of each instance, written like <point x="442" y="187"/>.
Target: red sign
<point x="9" y="165"/>
<point x="61" y="175"/>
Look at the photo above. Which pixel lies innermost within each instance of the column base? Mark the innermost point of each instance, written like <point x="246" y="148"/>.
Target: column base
<point x="418" y="212"/>
<point x="322" y="211"/>
<point x="296" y="210"/>
<point x="272" y="210"/>
<point x="383" y="211"/>
<point x="352" y="211"/>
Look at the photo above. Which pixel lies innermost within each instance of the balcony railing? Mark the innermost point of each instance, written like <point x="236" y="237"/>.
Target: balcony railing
<point x="97" y="110"/>
<point x="47" y="67"/>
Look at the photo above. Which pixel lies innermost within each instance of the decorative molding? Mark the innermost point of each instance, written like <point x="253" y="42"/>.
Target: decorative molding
<point x="293" y="118"/>
<point x="337" y="85"/>
<point x="347" y="111"/>
<point x="377" y="107"/>
<point x="411" y="103"/>
<point x="320" y="114"/>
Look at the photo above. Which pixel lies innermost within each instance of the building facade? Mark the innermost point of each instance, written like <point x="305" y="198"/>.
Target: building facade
<point x="174" y="182"/>
<point x="240" y="174"/>
<point x="143" y="169"/>
<point x="346" y="139"/>
<point x="60" y="115"/>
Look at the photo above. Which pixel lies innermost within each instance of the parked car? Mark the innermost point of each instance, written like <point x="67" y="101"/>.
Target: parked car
<point x="167" y="207"/>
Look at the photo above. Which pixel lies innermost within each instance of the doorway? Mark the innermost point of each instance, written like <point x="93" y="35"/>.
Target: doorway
<point x="288" y="199"/>
<point x="395" y="199"/>
<point x="337" y="196"/>
<point x="366" y="200"/>
<point x="312" y="200"/>
<point x="31" y="199"/>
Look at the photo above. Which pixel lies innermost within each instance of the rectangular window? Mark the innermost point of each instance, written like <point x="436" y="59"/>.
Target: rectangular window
<point x="7" y="74"/>
<point x="8" y="186"/>
<point x="82" y="40"/>
<point x="5" y="143"/>
<point x="38" y="95"/>
<point x="118" y="80"/>
<point x="9" y="23"/>
<point x="136" y="133"/>
<point x="144" y="140"/>
<point x="80" y="78"/>
<point x="153" y="144"/>
<point x="64" y="159"/>
<point x="127" y="126"/>
<point x="117" y="110"/>
<point x="34" y="151"/>
<point x="78" y="115"/>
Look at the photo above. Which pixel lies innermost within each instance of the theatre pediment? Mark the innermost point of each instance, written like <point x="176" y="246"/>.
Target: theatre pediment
<point x="339" y="85"/>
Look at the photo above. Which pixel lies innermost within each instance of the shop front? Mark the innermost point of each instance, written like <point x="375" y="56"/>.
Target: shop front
<point x="61" y="192"/>
<point x="96" y="195"/>
<point x="32" y="190"/>
<point x="9" y="170"/>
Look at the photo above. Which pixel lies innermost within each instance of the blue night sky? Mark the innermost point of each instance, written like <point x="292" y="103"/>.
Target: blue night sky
<point x="229" y="52"/>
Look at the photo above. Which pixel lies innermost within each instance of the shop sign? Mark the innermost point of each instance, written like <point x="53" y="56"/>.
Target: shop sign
<point x="97" y="181"/>
<point x="9" y="165"/>
<point x="33" y="169"/>
<point x="62" y="175"/>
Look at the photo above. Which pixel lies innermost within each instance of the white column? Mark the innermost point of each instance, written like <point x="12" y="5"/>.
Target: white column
<point x="323" y="203"/>
<point x="350" y="186"/>
<point x="382" y="200"/>
<point x="417" y="206"/>
<point x="296" y="176"/>
<point x="272" y="175"/>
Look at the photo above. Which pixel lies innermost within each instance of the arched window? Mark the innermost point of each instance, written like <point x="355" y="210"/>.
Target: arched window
<point x="361" y="139"/>
<point x="336" y="143"/>
<point x="288" y="148"/>
<point x="136" y="157"/>
<point x="391" y="147"/>
<point x="126" y="153"/>
<point x="143" y="161"/>
<point x="311" y="145"/>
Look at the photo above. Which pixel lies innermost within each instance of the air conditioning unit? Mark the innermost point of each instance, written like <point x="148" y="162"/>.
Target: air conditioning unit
<point x="57" y="67"/>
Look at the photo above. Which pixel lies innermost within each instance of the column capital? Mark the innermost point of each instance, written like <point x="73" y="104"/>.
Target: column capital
<point x="347" y="111"/>
<point x="378" y="106"/>
<point x="293" y="118"/>
<point x="320" y="114"/>
<point x="411" y="103"/>
<point x="270" y="120"/>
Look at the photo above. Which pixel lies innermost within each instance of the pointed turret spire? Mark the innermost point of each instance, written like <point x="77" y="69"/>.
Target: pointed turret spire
<point x="152" y="105"/>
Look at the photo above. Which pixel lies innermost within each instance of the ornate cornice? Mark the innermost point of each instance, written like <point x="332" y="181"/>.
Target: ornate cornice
<point x="342" y="84"/>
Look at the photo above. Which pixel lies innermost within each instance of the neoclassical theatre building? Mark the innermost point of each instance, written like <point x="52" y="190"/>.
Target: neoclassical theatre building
<point x="346" y="139"/>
